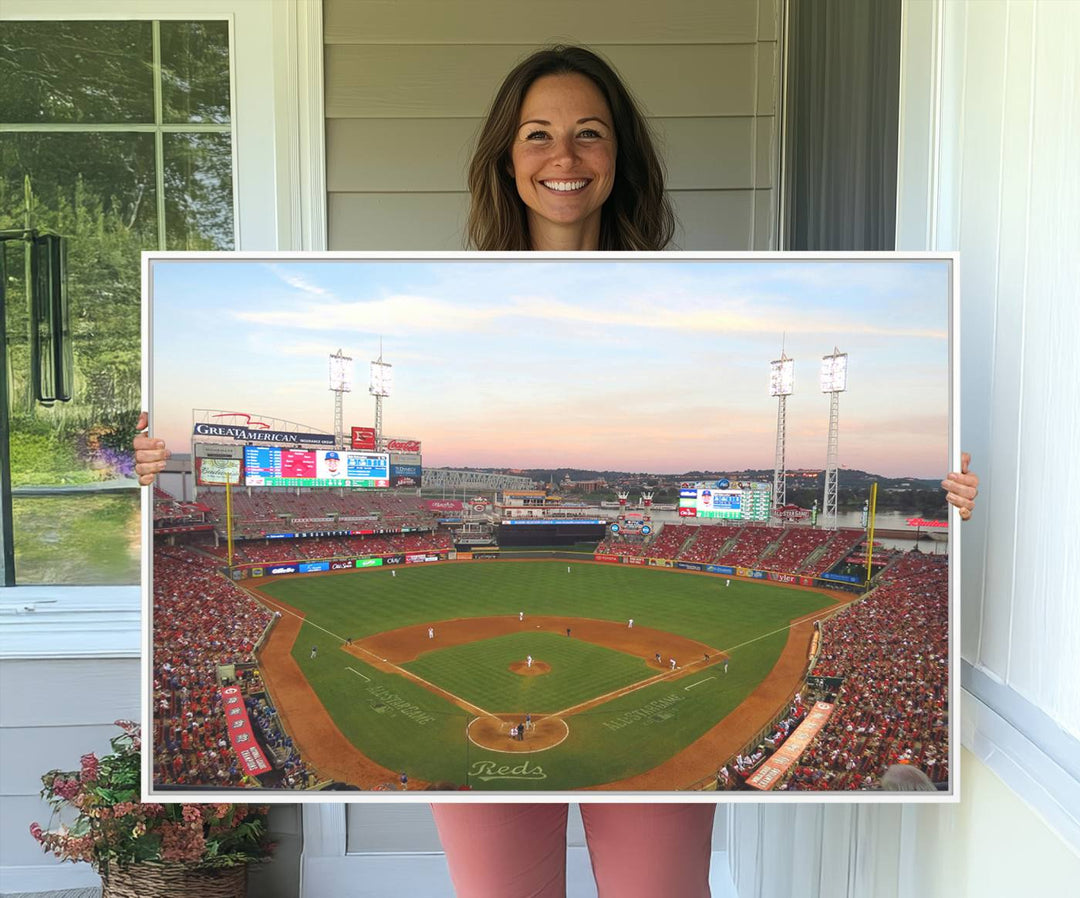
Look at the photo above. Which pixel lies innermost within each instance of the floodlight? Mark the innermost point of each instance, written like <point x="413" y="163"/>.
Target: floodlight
<point x="834" y="372"/>
<point x="382" y="379"/>
<point x="341" y="373"/>
<point x="782" y="377"/>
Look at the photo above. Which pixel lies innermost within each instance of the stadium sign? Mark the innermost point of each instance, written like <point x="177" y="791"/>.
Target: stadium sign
<point x="218" y="450"/>
<point x="843" y="578"/>
<point x="241" y="735"/>
<point x="281" y="569"/>
<point x="308" y="567"/>
<point x="443" y="504"/>
<point x="402" y="446"/>
<point x="420" y="559"/>
<point x="363" y="438"/>
<point x="394" y="559"/>
<point x="246" y="434"/>
<point x="719" y="569"/>
<point x="369" y="562"/>
<point x="340" y="565"/>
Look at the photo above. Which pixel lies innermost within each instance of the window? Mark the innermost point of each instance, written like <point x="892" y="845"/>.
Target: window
<point x="118" y="136"/>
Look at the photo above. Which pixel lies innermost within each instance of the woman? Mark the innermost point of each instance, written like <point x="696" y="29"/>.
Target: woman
<point x="565" y="162"/>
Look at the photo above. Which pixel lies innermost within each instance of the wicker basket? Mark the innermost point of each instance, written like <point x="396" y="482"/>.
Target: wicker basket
<point x="174" y="881"/>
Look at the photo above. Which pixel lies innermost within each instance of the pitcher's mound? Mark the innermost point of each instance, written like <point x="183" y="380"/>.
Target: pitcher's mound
<point x="538" y="667"/>
<point x="494" y="733"/>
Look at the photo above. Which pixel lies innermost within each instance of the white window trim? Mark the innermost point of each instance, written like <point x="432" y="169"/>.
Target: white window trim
<point x="1011" y="735"/>
<point x="281" y="200"/>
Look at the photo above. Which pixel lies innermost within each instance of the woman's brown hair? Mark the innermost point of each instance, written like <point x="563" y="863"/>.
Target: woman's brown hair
<point x="636" y="216"/>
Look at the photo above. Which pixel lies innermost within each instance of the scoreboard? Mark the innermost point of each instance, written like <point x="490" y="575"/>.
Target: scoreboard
<point x="726" y="500"/>
<point x="272" y="466"/>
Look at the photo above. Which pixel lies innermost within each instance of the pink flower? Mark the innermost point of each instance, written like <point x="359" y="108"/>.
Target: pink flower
<point x="37" y="832"/>
<point x="192" y="813"/>
<point x="89" y="767"/>
<point x="65" y="788"/>
<point x="181" y="842"/>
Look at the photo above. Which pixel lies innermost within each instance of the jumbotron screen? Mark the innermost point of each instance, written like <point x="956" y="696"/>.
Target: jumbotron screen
<point x="272" y="466"/>
<point x="726" y="500"/>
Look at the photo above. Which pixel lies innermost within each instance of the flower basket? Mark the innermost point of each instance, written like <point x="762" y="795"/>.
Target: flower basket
<point x="148" y="850"/>
<point x="154" y="880"/>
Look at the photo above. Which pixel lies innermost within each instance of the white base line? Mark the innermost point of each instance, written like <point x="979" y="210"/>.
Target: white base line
<point x="698" y="683"/>
<point x="359" y="674"/>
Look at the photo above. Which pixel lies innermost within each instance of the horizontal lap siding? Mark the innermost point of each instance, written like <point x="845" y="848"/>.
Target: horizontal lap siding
<point x="408" y="83"/>
<point x="53" y="711"/>
<point x="524" y="22"/>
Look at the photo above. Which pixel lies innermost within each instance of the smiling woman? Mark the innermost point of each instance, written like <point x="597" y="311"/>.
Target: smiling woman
<point x="563" y="160"/>
<point x="563" y="117"/>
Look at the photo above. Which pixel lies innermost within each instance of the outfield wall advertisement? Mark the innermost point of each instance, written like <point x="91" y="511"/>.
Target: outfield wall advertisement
<point x="314" y="567"/>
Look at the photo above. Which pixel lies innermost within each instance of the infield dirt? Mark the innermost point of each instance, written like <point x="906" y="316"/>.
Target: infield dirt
<point x="327" y="749"/>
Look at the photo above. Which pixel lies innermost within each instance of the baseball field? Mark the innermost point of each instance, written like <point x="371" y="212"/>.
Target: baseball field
<point x="426" y="670"/>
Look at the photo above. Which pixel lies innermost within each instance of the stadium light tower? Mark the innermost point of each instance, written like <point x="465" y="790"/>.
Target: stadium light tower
<point x="381" y="385"/>
<point x="340" y="383"/>
<point x="781" y="385"/>
<point x="833" y="382"/>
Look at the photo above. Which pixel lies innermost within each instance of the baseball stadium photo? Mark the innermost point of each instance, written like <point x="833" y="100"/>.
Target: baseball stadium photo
<point x="656" y="525"/>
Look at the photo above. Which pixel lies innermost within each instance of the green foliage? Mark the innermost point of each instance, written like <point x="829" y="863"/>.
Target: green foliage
<point x="77" y="538"/>
<point x="113" y="828"/>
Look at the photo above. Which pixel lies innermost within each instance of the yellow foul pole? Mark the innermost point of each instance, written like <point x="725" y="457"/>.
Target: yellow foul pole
<point x="228" y="517"/>
<point x="870" y="531"/>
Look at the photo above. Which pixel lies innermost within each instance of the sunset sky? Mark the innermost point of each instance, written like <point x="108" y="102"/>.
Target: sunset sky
<point x="658" y="365"/>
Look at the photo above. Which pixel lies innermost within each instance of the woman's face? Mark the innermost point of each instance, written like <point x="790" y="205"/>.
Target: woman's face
<point x="563" y="160"/>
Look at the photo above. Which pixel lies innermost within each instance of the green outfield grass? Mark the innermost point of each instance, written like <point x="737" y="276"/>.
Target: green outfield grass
<point x="404" y="726"/>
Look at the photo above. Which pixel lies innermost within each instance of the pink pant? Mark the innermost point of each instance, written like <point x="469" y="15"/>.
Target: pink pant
<point x="519" y="850"/>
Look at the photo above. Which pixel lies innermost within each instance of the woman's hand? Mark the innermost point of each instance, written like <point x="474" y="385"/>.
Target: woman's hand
<point x="150" y="454"/>
<point x="962" y="487"/>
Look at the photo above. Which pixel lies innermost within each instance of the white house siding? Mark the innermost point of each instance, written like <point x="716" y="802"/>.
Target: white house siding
<point x="53" y="711"/>
<point x="408" y="83"/>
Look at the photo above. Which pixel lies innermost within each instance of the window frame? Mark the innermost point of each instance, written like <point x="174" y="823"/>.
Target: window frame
<point x="280" y="143"/>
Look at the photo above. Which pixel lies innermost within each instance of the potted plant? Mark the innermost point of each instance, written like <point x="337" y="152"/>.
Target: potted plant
<point x="142" y="850"/>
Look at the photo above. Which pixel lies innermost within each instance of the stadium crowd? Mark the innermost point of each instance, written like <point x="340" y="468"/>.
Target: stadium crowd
<point x="202" y="622"/>
<point x="782" y="549"/>
<point x="798" y="544"/>
<point x="272" y="510"/>
<point x="708" y="542"/>
<point x="318" y="548"/>
<point x="752" y="542"/>
<point x="891" y="649"/>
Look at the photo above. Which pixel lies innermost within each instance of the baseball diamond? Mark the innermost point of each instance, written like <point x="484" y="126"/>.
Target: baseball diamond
<point x="604" y="714"/>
